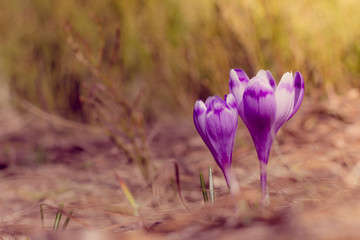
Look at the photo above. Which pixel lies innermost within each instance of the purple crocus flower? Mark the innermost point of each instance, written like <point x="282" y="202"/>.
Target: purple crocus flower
<point x="216" y="121"/>
<point x="265" y="107"/>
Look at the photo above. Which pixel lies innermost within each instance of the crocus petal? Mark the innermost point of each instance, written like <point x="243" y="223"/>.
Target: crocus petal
<point x="199" y="116"/>
<point x="237" y="83"/>
<point x="284" y="100"/>
<point x="230" y="101"/>
<point x="259" y="112"/>
<point x="210" y="99"/>
<point x="299" y="93"/>
<point x="221" y="127"/>
<point x="266" y="75"/>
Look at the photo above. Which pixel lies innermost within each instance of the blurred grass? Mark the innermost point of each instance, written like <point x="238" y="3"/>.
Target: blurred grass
<point x="162" y="55"/>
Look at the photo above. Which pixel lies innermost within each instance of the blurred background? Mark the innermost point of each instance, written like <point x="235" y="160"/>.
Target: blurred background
<point x="160" y="56"/>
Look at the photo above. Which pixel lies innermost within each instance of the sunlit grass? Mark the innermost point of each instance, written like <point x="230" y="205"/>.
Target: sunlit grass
<point x="170" y="50"/>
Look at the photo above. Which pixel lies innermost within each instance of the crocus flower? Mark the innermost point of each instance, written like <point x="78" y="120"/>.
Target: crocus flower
<point x="216" y="121"/>
<point x="265" y="107"/>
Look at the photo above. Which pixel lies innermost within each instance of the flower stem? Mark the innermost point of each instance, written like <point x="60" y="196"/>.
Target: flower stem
<point x="263" y="184"/>
<point x="231" y="181"/>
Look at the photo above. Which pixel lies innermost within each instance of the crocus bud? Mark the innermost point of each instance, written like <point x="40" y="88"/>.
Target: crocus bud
<point x="216" y="121"/>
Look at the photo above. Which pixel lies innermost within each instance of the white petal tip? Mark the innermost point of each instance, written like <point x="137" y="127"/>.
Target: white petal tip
<point x="199" y="107"/>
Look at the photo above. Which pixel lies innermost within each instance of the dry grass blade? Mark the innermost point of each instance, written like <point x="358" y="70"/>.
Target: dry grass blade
<point x="78" y="54"/>
<point x="128" y="194"/>
<point x="160" y="178"/>
<point x="177" y="177"/>
<point x="42" y="216"/>
<point x="67" y="220"/>
<point x="55" y="119"/>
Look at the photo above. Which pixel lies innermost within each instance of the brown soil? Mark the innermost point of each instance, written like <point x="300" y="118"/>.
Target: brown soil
<point x="313" y="178"/>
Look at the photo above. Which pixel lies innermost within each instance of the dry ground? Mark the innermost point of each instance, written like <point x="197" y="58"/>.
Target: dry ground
<point x="314" y="177"/>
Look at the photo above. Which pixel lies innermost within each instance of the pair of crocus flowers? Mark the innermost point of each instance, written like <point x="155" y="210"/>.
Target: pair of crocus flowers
<point x="263" y="107"/>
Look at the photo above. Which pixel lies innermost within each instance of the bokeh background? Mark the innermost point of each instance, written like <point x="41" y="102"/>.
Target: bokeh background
<point x="89" y="87"/>
<point x="166" y="54"/>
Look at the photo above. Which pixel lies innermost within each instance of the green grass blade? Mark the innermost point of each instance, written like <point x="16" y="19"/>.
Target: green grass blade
<point x="128" y="194"/>
<point x="203" y="188"/>
<point x="67" y="220"/>
<point x="211" y="186"/>
<point x="58" y="217"/>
